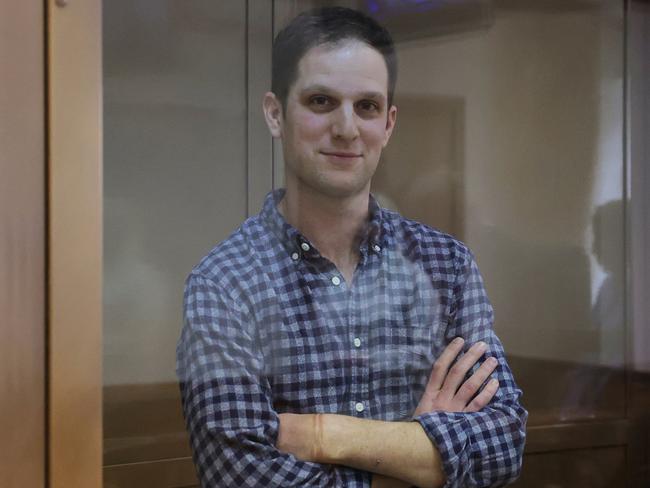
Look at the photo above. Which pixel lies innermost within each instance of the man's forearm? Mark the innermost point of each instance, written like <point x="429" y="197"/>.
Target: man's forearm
<point x="399" y="450"/>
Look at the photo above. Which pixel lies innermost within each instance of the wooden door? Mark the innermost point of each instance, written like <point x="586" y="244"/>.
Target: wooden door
<point x="22" y="245"/>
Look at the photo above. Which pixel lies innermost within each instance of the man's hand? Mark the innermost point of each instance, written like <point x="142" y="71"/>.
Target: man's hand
<point x="444" y="391"/>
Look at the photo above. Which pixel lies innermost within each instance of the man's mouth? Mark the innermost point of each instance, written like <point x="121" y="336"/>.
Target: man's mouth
<point x="341" y="154"/>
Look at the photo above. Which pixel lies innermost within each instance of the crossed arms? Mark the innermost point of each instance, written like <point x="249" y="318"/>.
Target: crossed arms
<point x="398" y="450"/>
<point x="238" y="438"/>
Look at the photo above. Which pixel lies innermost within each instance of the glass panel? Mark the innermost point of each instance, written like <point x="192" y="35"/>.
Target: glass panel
<point x="520" y="110"/>
<point x="174" y="186"/>
<point x="509" y="137"/>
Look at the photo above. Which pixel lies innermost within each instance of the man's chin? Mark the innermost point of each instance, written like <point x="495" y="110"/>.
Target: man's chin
<point x="341" y="190"/>
<point x="335" y="184"/>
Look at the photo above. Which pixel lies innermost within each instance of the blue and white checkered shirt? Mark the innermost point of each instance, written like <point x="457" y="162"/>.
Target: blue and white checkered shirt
<point x="271" y="327"/>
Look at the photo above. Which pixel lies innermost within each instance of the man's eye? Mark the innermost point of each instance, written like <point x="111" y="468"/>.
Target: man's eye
<point x="368" y="106"/>
<point x="319" y="100"/>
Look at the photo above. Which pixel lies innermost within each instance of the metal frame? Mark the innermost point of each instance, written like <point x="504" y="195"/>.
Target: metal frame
<point x="259" y="37"/>
<point x="637" y="224"/>
<point x="637" y="157"/>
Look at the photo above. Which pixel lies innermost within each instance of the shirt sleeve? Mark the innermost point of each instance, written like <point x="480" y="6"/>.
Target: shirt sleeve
<point x="483" y="448"/>
<point x="227" y="401"/>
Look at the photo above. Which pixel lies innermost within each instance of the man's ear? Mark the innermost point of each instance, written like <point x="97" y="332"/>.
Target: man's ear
<point x="391" y="119"/>
<point x="272" y="113"/>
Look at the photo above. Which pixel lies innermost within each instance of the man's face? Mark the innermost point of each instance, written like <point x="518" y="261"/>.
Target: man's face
<point x="337" y="120"/>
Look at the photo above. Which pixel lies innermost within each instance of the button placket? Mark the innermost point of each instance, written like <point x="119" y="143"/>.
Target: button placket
<point x="358" y="351"/>
<point x="363" y="333"/>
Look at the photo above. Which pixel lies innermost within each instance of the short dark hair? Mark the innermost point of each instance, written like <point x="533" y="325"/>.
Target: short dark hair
<point x="327" y="25"/>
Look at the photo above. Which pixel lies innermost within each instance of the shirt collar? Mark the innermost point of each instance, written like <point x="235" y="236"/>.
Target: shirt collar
<point x="373" y="234"/>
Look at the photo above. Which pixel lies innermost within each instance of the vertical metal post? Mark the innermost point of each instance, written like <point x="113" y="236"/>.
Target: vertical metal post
<point x="258" y="81"/>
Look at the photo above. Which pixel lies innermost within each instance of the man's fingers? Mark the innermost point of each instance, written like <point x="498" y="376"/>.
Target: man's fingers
<point x="483" y="398"/>
<point x="463" y="365"/>
<point x="472" y="385"/>
<point x="442" y="391"/>
<point x="442" y="364"/>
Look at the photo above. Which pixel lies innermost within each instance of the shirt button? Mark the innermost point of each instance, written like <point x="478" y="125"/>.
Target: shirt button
<point x="359" y="407"/>
<point x="295" y="256"/>
<point x="305" y="247"/>
<point x="357" y="342"/>
<point x="376" y="248"/>
<point x="336" y="280"/>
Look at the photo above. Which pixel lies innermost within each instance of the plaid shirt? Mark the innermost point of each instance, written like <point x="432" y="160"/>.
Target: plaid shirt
<point x="271" y="327"/>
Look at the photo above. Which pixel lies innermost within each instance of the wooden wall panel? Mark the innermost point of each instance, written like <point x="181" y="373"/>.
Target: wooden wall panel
<point x="75" y="244"/>
<point x="143" y="423"/>
<point x="166" y="473"/>
<point x="581" y="468"/>
<point x="22" y="245"/>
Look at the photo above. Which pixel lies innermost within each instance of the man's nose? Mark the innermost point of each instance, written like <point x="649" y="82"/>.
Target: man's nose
<point x="344" y="124"/>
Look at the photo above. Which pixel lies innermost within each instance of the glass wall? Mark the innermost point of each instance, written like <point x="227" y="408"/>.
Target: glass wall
<point x="174" y="185"/>
<point x="509" y="136"/>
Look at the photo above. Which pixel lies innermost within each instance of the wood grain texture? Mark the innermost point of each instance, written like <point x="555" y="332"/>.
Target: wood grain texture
<point x="22" y="245"/>
<point x="75" y="244"/>
<point x="143" y="423"/>
<point x="166" y="473"/>
<point x="581" y="468"/>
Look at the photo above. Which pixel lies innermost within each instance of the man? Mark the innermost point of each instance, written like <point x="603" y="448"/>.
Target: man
<point x="311" y="332"/>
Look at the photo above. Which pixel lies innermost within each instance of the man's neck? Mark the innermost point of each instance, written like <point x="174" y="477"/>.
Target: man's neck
<point x="333" y="225"/>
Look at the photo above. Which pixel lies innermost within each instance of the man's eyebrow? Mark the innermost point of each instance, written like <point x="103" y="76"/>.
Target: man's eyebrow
<point x="317" y="88"/>
<point x="372" y="95"/>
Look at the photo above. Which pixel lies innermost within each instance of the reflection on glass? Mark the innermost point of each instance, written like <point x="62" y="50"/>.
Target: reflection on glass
<point x="509" y="137"/>
<point x="515" y="147"/>
<point x="175" y="183"/>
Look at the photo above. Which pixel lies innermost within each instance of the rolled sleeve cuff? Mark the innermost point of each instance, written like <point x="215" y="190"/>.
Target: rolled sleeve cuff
<point x="448" y="432"/>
